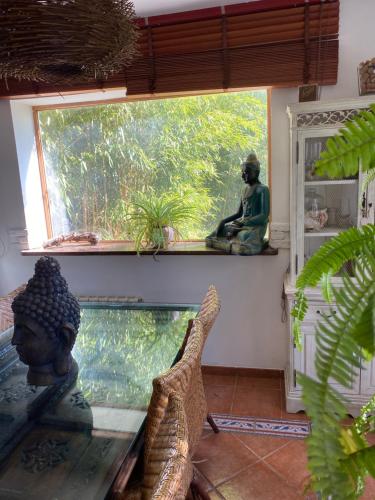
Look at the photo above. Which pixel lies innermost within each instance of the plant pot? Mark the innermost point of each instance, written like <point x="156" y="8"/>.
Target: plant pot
<point x="168" y="234"/>
<point x="161" y="238"/>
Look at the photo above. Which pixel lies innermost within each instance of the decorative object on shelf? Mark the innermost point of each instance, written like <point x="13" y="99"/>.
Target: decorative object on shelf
<point x="313" y="200"/>
<point x="50" y="41"/>
<point x="157" y="220"/>
<point x="46" y="322"/>
<point x="316" y="220"/>
<point x="243" y="232"/>
<point x="307" y="93"/>
<point x="316" y="217"/>
<point x="91" y="238"/>
<point x="366" y="77"/>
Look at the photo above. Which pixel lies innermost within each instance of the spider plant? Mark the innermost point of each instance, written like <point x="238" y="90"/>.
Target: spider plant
<point x="156" y="220"/>
<point x="340" y="457"/>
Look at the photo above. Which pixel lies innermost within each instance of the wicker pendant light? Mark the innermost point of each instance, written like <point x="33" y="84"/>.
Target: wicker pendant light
<point x="62" y="40"/>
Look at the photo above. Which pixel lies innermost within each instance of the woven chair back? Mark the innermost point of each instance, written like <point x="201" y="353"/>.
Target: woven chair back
<point x="184" y="378"/>
<point x="6" y="313"/>
<point x="209" y="310"/>
<point x="168" y="471"/>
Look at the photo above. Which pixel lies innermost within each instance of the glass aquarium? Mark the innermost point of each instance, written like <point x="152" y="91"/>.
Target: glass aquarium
<point x="69" y="440"/>
<point x="120" y="349"/>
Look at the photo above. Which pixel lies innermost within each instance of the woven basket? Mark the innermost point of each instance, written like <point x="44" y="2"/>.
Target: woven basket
<point x="65" y="40"/>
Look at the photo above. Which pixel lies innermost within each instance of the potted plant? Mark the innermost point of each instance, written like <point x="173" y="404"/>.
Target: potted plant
<point x="157" y="220"/>
<point x="341" y="457"/>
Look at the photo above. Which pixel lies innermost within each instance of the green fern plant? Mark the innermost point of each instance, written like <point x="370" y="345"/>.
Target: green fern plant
<point x="153" y="217"/>
<point x="340" y="458"/>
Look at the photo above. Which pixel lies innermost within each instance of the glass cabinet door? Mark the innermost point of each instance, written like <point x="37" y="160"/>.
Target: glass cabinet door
<point x="326" y="206"/>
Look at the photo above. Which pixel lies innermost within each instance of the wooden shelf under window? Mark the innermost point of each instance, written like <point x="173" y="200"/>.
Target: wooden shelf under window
<point x="126" y="248"/>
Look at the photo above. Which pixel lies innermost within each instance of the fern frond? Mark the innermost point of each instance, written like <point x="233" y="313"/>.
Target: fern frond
<point x="335" y="253"/>
<point x="358" y="465"/>
<point x="337" y="358"/>
<point x="297" y="334"/>
<point x="339" y="459"/>
<point x="327" y="261"/>
<point x="298" y="312"/>
<point x="370" y="177"/>
<point x="324" y="449"/>
<point x="364" y="333"/>
<point x="326" y="287"/>
<point x="300" y="309"/>
<point x="355" y="143"/>
<point x="365" y="422"/>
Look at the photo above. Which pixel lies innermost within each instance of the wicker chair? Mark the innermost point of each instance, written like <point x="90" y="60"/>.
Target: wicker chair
<point x="208" y="312"/>
<point x="6" y="313"/>
<point x="184" y="378"/>
<point x="168" y="470"/>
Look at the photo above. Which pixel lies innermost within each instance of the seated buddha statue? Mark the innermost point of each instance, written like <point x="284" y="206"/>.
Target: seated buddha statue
<point x="243" y="232"/>
<point x="46" y="322"/>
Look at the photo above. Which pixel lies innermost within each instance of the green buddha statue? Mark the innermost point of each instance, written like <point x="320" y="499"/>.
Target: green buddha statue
<point x="243" y="232"/>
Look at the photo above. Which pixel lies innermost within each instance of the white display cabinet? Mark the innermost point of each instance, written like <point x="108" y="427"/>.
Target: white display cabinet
<point x="319" y="209"/>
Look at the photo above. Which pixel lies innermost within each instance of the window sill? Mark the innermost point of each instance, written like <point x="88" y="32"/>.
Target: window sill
<point x="127" y="248"/>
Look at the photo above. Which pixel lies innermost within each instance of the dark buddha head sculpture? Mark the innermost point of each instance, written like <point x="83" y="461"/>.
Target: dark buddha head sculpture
<point x="46" y="322"/>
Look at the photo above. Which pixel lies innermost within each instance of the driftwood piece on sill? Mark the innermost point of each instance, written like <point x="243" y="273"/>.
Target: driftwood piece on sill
<point x="91" y="238"/>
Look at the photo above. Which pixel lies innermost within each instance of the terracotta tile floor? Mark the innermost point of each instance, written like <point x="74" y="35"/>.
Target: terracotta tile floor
<point x="237" y="466"/>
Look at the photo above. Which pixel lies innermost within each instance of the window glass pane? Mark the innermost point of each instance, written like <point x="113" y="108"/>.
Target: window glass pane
<point x="98" y="158"/>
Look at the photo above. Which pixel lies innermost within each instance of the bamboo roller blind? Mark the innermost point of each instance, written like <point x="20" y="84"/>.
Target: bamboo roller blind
<point x="262" y="43"/>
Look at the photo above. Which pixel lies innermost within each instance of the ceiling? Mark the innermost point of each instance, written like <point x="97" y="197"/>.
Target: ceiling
<point x="145" y="8"/>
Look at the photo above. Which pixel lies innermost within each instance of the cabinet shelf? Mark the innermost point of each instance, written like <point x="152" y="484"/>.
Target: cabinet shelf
<point x="331" y="182"/>
<point x="325" y="232"/>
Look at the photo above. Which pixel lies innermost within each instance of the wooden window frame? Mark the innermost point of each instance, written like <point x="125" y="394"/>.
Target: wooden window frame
<point x="148" y="97"/>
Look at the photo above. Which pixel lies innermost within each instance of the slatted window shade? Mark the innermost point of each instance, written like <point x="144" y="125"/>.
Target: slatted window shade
<point x="260" y="43"/>
<point x="283" y="47"/>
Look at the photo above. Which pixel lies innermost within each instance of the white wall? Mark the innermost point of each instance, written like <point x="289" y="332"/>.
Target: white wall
<point x="249" y="331"/>
<point x="13" y="268"/>
<point x="23" y="126"/>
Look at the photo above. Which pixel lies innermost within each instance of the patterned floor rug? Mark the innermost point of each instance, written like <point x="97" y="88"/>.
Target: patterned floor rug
<point x="265" y="426"/>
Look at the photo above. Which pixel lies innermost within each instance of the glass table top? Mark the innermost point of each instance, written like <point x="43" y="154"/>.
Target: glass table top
<point x="69" y="441"/>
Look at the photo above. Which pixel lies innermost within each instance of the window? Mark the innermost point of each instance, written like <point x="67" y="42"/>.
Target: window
<point x="96" y="159"/>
